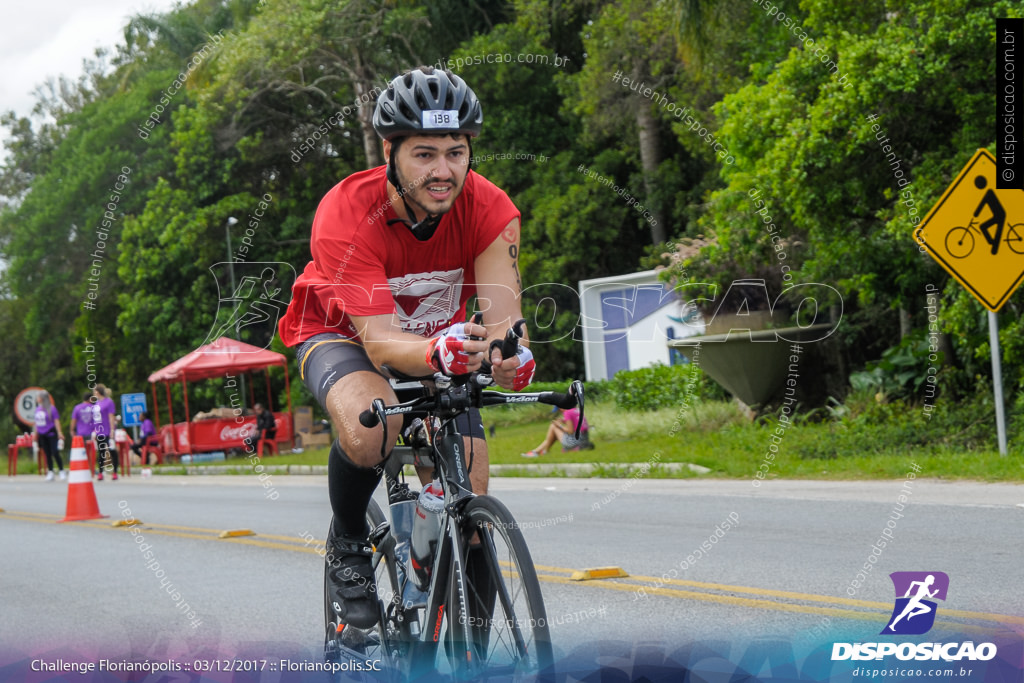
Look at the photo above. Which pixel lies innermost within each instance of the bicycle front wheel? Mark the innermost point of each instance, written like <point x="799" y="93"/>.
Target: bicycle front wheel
<point x="504" y="607"/>
<point x="1015" y="238"/>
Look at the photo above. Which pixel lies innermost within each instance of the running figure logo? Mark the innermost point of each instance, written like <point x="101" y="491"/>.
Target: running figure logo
<point x="251" y="298"/>
<point x="914" y="612"/>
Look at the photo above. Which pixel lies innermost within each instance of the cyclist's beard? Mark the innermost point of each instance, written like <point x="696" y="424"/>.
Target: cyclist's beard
<point x="420" y="198"/>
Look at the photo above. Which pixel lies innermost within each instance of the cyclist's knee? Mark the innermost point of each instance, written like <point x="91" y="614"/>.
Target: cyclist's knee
<point x="350" y="396"/>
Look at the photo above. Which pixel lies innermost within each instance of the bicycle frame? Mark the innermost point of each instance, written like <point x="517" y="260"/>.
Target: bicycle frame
<point x="447" y="454"/>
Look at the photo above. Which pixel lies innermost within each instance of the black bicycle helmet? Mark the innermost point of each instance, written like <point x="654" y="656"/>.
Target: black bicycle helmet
<point x="422" y="101"/>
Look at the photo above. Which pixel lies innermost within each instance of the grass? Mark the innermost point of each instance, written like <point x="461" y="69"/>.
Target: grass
<point x="716" y="435"/>
<point x="26" y="463"/>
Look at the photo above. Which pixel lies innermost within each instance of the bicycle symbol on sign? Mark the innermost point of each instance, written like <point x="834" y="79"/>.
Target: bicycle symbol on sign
<point x="960" y="241"/>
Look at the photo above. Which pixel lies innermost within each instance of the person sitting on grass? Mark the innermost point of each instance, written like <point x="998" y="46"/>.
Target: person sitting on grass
<point x="563" y="429"/>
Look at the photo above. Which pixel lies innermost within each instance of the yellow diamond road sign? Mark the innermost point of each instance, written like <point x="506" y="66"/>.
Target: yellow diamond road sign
<point x="976" y="232"/>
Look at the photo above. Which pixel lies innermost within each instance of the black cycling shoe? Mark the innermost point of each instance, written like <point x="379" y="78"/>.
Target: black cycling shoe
<point x="350" y="581"/>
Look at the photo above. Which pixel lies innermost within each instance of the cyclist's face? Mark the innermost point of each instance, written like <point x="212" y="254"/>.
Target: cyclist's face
<point x="433" y="169"/>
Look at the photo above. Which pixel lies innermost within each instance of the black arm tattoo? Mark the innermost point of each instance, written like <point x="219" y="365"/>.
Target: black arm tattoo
<point x="513" y="251"/>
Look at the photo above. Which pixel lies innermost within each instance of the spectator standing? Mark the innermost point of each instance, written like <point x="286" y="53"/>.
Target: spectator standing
<point x="49" y="435"/>
<point x="81" y="418"/>
<point x="103" y="411"/>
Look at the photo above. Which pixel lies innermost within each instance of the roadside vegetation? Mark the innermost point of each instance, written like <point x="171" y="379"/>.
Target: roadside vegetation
<point x="713" y="139"/>
<point x="868" y="436"/>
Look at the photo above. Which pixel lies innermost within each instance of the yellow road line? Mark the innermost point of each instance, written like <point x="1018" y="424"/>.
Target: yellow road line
<point x="206" y="535"/>
<point x="212" y="536"/>
<point x="35" y="514"/>
<point x="556" y="570"/>
<point x="757" y="604"/>
<point x="561" y="575"/>
<point x="293" y="539"/>
<point x="198" y="532"/>
<point x="1006" y="618"/>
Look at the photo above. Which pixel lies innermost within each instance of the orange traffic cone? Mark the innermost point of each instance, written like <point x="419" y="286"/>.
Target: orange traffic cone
<point x="81" y="496"/>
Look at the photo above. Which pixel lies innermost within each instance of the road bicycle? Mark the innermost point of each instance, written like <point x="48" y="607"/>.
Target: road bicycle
<point x="960" y="241"/>
<point x="482" y="615"/>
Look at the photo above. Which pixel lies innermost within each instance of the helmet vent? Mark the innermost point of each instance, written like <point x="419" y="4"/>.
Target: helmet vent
<point x="405" y="109"/>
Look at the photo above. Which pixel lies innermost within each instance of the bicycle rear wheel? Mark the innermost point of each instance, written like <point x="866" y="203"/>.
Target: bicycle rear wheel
<point x="505" y="608"/>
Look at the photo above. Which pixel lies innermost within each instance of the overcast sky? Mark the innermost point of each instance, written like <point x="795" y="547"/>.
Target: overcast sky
<point x="52" y="37"/>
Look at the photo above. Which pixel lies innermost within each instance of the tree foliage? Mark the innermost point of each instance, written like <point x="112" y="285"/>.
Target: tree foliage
<point x="275" y="101"/>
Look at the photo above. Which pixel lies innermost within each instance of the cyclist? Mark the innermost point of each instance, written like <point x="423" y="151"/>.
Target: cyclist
<point x="397" y="252"/>
<point x="997" y="219"/>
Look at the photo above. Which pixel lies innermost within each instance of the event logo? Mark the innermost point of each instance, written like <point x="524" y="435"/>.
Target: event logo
<point x="914" y="611"/>
<point x="914" y="614"/>
<point x="426" y="302"/>
<point x="251" y="298"/>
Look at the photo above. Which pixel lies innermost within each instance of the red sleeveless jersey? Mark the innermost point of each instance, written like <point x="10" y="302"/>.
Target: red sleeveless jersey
<point x="363" y="266"/>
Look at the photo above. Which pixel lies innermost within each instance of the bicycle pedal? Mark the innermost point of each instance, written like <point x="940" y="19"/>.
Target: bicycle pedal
<point x="371" y="638"/>
<point x="354" y="642"/>
<point x="351" y="637"/>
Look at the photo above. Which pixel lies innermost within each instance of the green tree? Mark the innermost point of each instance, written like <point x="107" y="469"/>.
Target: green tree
<point x="802" y="135"/>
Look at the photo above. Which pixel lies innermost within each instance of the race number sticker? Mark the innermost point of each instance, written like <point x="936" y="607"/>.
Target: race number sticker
<point x="441" y="118"/>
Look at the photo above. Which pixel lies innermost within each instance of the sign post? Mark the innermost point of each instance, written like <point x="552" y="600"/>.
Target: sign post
<point x="976" y="232"/>
<point x="132" y="407"/>
<point x="997" y="380"/>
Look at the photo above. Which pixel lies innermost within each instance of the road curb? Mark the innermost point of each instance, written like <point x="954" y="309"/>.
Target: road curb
<point x="567" y="470"/>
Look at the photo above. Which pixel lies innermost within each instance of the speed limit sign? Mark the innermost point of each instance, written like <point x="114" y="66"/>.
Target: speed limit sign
<point x="25" y="405"/>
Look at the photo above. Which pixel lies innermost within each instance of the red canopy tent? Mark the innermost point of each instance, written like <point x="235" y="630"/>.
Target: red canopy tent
<point x="221" y="358"/>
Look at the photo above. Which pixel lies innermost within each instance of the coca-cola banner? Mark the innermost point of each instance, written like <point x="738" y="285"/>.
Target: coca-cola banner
<point x="218" y="434"/>
<point x="235" y="432"/>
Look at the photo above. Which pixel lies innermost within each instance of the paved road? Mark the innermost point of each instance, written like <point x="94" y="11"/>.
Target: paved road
<point x="783" y="568"/>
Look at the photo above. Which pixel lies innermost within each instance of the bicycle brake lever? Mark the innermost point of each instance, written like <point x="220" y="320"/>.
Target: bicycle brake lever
<point x="378" y="409"/>
<point x="510" y="344"/>
<point x="485" y="365"/>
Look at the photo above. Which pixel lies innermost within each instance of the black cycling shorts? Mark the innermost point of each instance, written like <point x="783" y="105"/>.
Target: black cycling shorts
<point x="325" y="358"/>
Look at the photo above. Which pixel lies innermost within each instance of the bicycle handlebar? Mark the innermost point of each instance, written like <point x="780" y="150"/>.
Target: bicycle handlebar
<point x="453" y="394"/>
<point x="423" y="406"/>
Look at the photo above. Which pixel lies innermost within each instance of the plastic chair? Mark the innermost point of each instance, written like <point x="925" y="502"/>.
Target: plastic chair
<point x="148" y="450"/>
<point x="270" y="443"/>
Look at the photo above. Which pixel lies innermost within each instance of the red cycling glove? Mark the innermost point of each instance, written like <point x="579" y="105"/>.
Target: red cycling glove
<point x="525" y="371"/>
<point x="445" y="353"/>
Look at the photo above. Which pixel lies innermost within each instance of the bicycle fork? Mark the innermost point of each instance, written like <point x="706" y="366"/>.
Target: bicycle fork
<point x="447" y="619"/>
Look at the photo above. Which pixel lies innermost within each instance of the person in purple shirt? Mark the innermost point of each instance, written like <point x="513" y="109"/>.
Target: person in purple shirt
<point x="81" y="418"/>
<point x="103" y="411"/>
<point x="147" y="434"/>
<point x="49" y="434"/>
